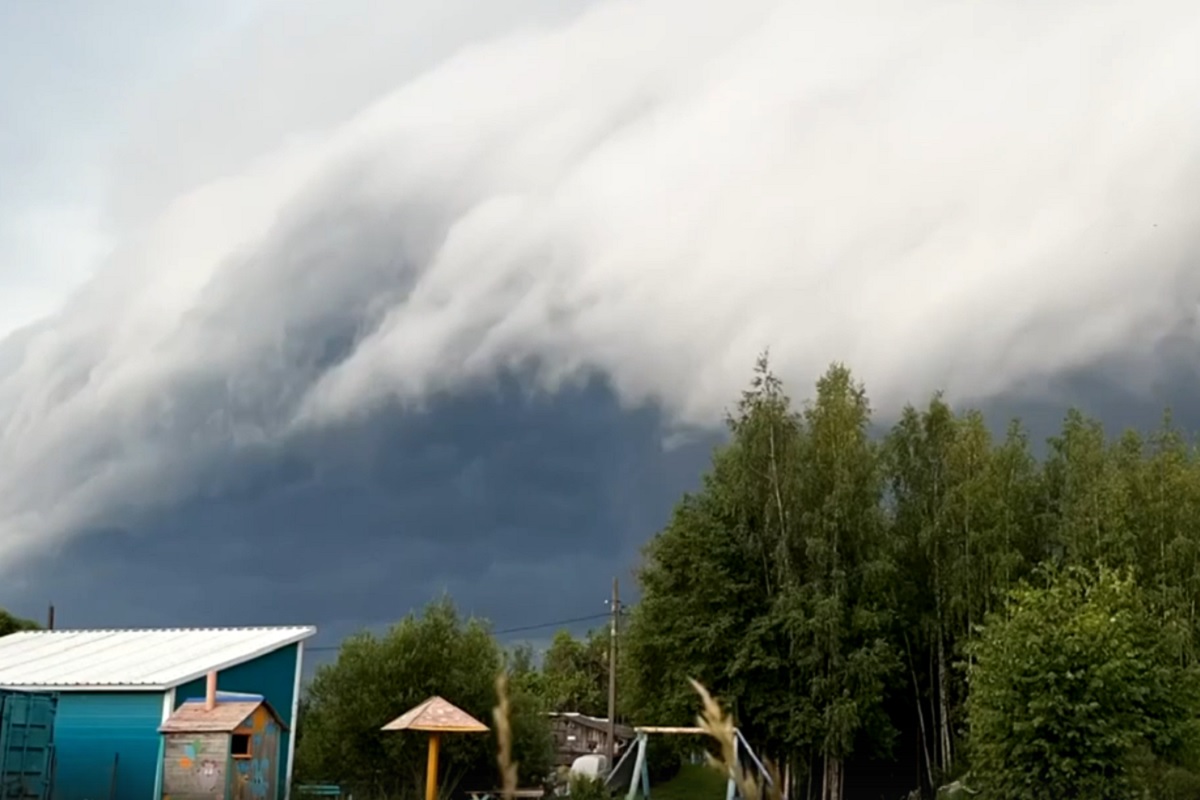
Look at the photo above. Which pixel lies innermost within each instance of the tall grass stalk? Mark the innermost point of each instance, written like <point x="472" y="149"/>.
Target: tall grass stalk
<point x="719" y="725"/>
<point x="501" y="715"/>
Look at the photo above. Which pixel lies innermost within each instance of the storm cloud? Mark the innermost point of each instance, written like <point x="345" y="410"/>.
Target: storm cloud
<point x="633" y="199"/>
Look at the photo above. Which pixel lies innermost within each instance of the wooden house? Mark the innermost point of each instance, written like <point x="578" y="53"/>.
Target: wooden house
<point x="578" y="735"/>
<point x="223" y="746"/>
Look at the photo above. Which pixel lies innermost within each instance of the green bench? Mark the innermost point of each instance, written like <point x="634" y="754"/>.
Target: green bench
<point x="319" y="790"/>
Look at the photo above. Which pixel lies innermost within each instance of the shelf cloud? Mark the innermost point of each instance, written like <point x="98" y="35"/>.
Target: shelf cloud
<point x="973" y="196"/>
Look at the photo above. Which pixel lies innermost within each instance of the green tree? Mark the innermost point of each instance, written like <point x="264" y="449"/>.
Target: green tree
<point x="789" y="583"/>
<point x="710" y="577"/>
<point x="768" y="585"/>
<point x="375" y="679"/>
<point x="962" y="514"/>
<point x="838" y="608"/>
<point x="1087" y="496"/>
<point x="923" y="478"/>
<point x="1163" y="484"/>
<point x="523" y="673"/>
<point x="1074" y="688"/>
<point x="10" y="624"/>
<point x="575" y="674"/>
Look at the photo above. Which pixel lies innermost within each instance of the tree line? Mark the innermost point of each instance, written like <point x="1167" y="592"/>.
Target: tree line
<point x="939" y="606"/>
<point x="859" y="601"/>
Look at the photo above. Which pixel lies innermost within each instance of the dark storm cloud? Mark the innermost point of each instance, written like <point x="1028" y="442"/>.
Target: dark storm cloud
<point x="522" y="506"/>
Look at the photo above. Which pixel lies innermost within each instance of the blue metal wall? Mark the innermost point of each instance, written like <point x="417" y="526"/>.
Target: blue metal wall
<point x="274" y="677"/>
<point x="91" y="728"/>
<point x="26" y="744"/>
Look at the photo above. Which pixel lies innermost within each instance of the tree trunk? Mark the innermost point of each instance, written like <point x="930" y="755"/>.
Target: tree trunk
<point x="944" y="702"/>
<point x="924" y="731"/>
<point x="832" y="782"/>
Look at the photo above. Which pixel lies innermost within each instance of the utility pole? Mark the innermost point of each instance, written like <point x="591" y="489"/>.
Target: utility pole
<point x="50" y="618"/>
<point x="612" y="676"/>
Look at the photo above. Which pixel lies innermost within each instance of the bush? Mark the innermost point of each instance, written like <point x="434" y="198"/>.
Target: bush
<point x="585" y="787"/>
<point x="377" y="678"/>
<point x="1076" y="691"/>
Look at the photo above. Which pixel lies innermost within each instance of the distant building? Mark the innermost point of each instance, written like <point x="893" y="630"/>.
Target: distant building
<point x="579" y="735"/>
<point x="116" y="688"/>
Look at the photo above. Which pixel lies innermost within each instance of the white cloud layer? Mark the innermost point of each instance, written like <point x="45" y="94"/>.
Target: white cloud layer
<point x="965" y="195"/>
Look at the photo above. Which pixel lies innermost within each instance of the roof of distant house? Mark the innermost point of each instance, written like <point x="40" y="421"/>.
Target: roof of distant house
<point x="133" y="659"/>
<point x="599" y="723"/>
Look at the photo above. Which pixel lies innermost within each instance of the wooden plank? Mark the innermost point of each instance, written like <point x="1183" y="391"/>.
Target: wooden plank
<point x="194" y="765"/>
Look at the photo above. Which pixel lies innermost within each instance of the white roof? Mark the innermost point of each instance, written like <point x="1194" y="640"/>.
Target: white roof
<point x="132" y="660"/>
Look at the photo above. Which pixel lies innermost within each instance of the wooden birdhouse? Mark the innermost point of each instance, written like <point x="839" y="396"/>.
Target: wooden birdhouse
<point x="222" y="747"/>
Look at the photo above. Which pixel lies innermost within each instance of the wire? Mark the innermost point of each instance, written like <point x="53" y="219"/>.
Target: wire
<point x="552" y="624"/>
<point x="519" y="629"/>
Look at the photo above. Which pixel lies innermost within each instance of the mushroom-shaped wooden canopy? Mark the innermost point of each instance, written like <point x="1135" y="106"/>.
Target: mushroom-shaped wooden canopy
<point x="436" y="715"/>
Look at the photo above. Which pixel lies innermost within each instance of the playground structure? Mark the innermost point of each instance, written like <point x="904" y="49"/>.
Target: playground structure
<point x="632" y="770"/>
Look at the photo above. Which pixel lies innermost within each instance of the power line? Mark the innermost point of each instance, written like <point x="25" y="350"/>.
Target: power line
<point x="552" y="624"/>
<point x="519" y="629"/>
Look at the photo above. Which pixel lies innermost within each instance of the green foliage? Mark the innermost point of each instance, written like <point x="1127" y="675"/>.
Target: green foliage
<point x="769" y="585"/>
<point x="961" y="509"/>
<point x="585" y="787"/>
<point x="1088" y="496"/>
<point x="831" y="589"/>
<point x="816" y="573"/>
<point x="375" y="679"/>
<point x="575" y="674"/>
<point x="10" y="624"/>
<point x="1074" y="686"/>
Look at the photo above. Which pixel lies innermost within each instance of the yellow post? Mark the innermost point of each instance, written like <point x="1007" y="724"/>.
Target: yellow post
<point x="431" y="768"/>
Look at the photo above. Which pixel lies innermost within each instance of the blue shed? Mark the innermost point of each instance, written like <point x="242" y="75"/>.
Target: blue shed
<point x="117" y="687"/>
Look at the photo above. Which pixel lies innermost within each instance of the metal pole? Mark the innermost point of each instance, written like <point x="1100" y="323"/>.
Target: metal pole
<point x="612" y="676"/>
<point x="112" y="781"/>
<point x="639" y="769"/>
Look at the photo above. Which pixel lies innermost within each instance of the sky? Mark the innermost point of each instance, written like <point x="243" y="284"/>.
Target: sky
<point x="311" y="312"/>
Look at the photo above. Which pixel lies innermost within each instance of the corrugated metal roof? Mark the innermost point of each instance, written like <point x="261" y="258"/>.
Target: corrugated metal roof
<point x="67" y="660"/>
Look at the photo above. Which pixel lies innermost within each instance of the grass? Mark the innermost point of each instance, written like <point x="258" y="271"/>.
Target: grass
<point x="694" y="782"/>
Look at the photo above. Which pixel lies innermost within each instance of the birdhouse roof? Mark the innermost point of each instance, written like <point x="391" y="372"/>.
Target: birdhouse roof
<point x="436" y="714"/>
<point x="225" y="717"/>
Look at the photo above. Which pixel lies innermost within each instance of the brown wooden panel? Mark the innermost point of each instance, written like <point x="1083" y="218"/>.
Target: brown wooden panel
<point x="194" y="766"/>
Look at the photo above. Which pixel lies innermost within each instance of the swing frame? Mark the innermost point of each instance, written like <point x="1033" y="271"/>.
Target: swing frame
<point x="641" y="770"/>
